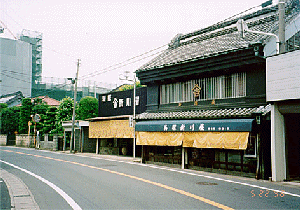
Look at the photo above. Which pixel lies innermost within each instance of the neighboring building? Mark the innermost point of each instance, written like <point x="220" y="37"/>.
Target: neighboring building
<point x="60" y="88"/>
<point x="46" y="99"/>
<point x="113" y="128"/>
<point x="35" y="39"/>
<point x="15" y="68"/>
<point x="206" y="96"/>
<point x="283" y="90"/>
<point x="49" y="101"/>
<point x="82" y="141"/>
<point x="12" y="99"/>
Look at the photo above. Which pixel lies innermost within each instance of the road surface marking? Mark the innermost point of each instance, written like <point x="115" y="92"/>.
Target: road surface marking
<point x="193" y="174"/>
<point x="74" y="205"/>
<point x="65" y="196"/>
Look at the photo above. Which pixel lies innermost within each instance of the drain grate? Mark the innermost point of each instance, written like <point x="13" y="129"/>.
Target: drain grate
<point x="206" y="183"/>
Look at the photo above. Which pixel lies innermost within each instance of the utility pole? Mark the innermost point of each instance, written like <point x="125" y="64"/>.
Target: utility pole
<point x="134" y="106"/>
<point x="134" y="110"/>
<point x="95" y="95"/>
<point x="281" y="25"/>
<point x="73" y="116"/>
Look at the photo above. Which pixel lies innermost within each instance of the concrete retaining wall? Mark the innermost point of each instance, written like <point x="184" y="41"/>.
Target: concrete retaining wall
<point x="23" y="140"/>
<point x="3" y="140"/>
<point x="49" y="143"/>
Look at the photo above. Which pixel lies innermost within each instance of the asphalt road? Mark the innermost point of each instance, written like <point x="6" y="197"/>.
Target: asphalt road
<point x="66" y="181"/>
<point x="4" y="196"/>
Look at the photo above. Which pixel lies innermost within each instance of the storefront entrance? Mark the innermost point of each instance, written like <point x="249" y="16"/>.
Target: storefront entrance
<point x="292" y="122"/>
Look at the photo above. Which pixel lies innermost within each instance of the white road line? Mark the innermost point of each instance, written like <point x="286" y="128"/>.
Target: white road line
<point x="209" y="177"/>
<point x="192" y="174"/>
<point x="131" y="163"/>
<point x="65" y="196"/>
<point x="97" y="158"/>
<point x="153" y="167"/>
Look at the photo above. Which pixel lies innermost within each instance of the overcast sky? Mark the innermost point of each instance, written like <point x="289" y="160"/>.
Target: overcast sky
<point x="106" y="33"/>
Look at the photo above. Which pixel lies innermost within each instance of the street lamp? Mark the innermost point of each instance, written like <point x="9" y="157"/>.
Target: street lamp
<point x="134" y="105"/>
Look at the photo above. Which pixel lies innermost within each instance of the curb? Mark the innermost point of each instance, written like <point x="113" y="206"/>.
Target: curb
<point x="20" y="195"/>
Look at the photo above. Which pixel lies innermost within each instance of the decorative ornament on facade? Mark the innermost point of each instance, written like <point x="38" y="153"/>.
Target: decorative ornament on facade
<point x="196" y="91"/>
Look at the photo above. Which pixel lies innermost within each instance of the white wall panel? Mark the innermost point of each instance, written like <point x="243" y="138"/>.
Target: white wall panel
<point x="283" y="76"/>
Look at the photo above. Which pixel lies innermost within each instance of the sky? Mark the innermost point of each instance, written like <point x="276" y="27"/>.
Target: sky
<point x="109" y="36"/>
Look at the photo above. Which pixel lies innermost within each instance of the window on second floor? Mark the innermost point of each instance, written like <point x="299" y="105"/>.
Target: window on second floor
<point x="222" y="87"/>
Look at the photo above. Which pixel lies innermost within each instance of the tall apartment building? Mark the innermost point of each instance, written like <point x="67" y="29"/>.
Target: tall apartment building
<point x="15" y="67"/>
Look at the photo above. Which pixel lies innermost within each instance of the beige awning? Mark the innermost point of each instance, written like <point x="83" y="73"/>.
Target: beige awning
<point x="218" y="140"/>
<point x="159" y="138"/>
<point x="110" y="129"/>
<point x="221" y="140"/>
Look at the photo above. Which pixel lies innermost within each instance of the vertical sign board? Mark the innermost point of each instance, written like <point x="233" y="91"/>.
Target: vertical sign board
<point x="121" y="103"/>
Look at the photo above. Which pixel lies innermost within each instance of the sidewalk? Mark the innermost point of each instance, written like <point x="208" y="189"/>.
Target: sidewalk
<point x="20" y="195"/>
<point x="114" y="157"/>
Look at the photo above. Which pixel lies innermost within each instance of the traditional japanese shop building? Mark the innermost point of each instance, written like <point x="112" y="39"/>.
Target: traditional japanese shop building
<point x="206" y="97"/>
<point x="113" y="128"/>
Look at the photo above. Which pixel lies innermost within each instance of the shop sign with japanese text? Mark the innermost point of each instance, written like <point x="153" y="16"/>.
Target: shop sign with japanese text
<point x="222" y="125"/>
<point x="122" y="102"/>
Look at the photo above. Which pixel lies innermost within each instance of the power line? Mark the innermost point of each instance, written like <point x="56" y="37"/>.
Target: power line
<point x="13" y="19"/>
<point x="107" y="69"/>
<point x="48" y="48"/>
<point x="13" y="86"/>
<point x="239" y="14"/>
<point x="16" y="78"/>
<point x="45" y="91"/>
<point x="15" y="72"/>
<point x="8" y="30"/>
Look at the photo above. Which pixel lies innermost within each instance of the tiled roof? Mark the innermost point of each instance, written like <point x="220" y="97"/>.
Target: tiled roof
<point x="206" y="114"/>
<point x="49" y="101"/>
<point x="46" y="99"/>
<point x="218" y="39"/>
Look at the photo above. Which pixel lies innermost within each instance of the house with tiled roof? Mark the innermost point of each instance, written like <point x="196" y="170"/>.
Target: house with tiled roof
<point x="206" y="95"/>
<point x="49" y="101"/>
<point x="45" y="99"/>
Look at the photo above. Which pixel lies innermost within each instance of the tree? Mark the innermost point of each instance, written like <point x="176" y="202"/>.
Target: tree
<point x="64" y="113"/>
<point x="10" y="120"/>
<point x="3" y="106"/>
<point x="25" y="115"/>
<point x="87" y="108"/>
<point x="129" y="87"/>
<point x="50" y="119"/>
<point x="41" y="108"/>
